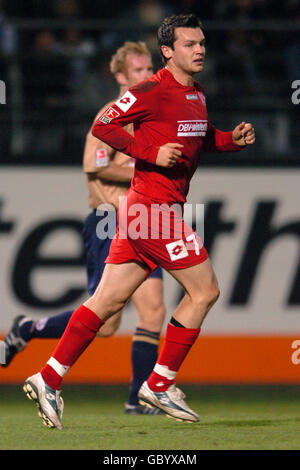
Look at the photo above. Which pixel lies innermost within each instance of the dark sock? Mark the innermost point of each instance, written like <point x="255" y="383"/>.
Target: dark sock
<point x="176" y="323"/>
<point x="25" y="330"/>
<point x="143" y="358"/>
<point x="50" y="327"/>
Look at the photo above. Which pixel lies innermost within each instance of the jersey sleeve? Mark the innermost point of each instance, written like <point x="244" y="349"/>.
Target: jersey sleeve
<point x="219" y="141"/>
<point x="138" y="104"/>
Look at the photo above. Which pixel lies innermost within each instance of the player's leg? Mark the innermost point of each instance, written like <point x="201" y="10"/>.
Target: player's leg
<point x="25" y="328"/>
<point x="117" y="285"/>
<point x="201" y="292"/>
<point x="97" y="250"/>
<point x="148" y="301"/>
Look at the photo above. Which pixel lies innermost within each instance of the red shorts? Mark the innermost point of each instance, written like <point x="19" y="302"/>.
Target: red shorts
<point x="154" y="235"/>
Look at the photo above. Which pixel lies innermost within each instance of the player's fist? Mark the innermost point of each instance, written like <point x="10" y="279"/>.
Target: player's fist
<point x="168" y="154"/>
<point x="243" y="134"/>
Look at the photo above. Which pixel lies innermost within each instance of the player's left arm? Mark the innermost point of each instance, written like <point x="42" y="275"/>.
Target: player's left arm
<point x="232" y="141"/>
<point x="243" y="134"/>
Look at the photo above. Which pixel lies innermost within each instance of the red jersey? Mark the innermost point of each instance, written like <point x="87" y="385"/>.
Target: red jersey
<point x="162" y="111"/>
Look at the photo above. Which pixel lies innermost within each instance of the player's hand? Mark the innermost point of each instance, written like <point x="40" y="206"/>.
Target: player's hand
<point x="168" y="154"/>
<point x="243" y="134"/>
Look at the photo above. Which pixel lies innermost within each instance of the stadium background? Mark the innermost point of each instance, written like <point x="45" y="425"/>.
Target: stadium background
<point x="54" y="63"/>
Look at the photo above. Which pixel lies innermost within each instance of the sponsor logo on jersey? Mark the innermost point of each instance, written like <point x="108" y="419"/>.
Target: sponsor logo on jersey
<point x="126" y="101"/>
<point x="177" y="250"/>
<point x="108" y="115"/>
<point x="191" y="97"/>
<point x="193" y="128"/>
<point x="101" y="158"/>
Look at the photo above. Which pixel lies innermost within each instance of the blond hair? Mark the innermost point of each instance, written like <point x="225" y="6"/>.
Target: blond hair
<point x="118" y="61"/>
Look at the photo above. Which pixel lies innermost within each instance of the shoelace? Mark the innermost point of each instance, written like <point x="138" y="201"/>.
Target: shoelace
<point x="177" y="393"/>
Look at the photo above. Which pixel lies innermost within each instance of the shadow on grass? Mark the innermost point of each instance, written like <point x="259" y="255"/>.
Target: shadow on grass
<point x="252" y="422"/>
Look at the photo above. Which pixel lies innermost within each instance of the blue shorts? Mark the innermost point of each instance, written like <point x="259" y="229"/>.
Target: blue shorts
<point x="97" y="251"/>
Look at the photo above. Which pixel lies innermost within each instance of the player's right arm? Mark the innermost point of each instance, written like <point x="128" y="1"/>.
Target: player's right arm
<point x="137" y="104"/>
<point x="168" y="154"/>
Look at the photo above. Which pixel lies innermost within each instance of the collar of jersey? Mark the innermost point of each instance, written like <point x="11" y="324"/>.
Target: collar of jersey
<point x="186" y="88"/>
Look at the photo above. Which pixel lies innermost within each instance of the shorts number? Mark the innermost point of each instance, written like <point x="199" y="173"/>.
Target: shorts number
<point x="192" y="238"/>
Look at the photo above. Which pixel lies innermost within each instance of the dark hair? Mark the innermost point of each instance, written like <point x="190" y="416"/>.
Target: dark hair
<point x="166" y="31"/>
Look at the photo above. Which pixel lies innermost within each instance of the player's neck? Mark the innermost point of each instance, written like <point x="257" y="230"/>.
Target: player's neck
<point x="123" y="89"/>
<point x="180" y="76"/>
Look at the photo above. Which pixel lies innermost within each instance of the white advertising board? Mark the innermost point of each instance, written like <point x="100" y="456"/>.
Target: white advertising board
<point x="252" y="232"/>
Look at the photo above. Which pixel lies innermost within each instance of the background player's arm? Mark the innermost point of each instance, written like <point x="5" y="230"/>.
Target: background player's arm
<point x="114" y="173"/>
<point x="98" y="161"/>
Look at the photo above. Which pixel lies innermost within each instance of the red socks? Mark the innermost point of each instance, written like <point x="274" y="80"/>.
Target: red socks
<point x="80" y="331"/>
<point x="83" y="327"/>
<point x="178" y="341"/>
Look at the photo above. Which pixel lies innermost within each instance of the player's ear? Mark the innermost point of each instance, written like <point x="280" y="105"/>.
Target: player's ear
<point x="166" y="52"/>
<point x="121" y="78"/>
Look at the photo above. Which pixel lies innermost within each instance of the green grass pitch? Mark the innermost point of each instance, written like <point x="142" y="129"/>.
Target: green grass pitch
<point x="232" y="418"/>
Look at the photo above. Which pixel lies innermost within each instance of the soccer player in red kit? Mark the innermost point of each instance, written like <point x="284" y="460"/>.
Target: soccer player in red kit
<point x="171" y="130"/>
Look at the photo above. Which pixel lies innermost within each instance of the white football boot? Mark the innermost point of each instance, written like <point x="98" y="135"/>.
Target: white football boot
<point x="171" y="402"/>
<point x="48" y="400"/>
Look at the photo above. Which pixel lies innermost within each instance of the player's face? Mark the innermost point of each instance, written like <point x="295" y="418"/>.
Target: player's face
<point x="188" y="50"/>
<point x="139" y="67"/>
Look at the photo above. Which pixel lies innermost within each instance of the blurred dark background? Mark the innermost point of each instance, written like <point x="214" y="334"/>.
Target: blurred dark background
<point x="54" y="60"/>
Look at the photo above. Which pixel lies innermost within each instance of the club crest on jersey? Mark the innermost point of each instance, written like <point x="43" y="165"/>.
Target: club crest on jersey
<point x="108" y="115"/>
<point x="193" y="128"/>
<point x="126" y="101"/>
<point x="177" y="250"/>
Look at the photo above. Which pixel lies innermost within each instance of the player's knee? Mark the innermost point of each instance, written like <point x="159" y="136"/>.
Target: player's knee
<point x="108" y="307"/>
<point x="158" y="314"/>
<point x="152" y="317"/>
<point x="110" y="326"/>
<point x="207" y="297"/>
<point x="214" y="294"/>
